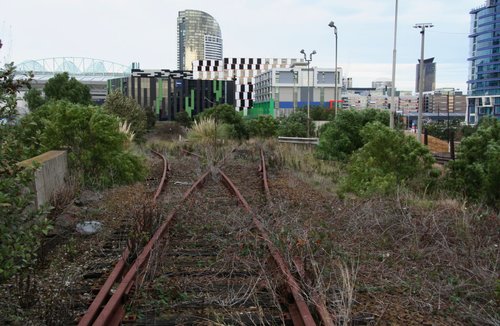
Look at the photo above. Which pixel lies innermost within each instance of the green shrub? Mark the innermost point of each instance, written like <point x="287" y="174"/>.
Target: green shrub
<point x="476" y="171"/>
<point x="342" y="136"/>
<point x="151" y="118"/>
<point x="295" y="125"/>
<point x="206" y="131"/>
<point x="21" y="225"/>
<point x="388" y="159"/>
<point x="129" y="110"/>
<point x="184" y="119"/>
<point x="319" y="113"/>
<point x="226" y="114"/>
<point x="95" y="145"/>
<point x="264" y="126"/>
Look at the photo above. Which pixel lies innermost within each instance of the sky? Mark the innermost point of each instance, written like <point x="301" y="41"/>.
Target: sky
<point x="126" y="31"/>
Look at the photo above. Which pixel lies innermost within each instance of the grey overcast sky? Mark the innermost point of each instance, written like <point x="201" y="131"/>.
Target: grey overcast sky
<point x="126" y="31"/>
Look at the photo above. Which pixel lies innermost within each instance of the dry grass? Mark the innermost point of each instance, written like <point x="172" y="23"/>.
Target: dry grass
<point x="417" y="259"/>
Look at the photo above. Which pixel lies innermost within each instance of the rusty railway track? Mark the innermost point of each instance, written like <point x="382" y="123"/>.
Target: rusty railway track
<point x="108" y="308"/>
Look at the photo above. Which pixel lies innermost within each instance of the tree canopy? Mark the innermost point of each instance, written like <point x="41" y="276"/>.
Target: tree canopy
<point x="476" y="170"/>
<point x="342" y="136"/>
<point x="62" y="87"/>
<point x="128" y="110"/>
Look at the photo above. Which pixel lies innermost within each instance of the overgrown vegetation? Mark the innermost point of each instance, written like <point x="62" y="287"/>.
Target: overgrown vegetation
<point x="342" y="136"/>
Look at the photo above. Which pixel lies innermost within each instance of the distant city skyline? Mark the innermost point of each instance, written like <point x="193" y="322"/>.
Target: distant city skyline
<point x="126" y="32"/>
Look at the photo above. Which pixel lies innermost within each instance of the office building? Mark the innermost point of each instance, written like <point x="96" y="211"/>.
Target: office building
<point x="243" y="72"/>
<point x="198" y="38"/>
<point x="279" y="91"/>
<point x="484" y="63"/>
<point x="170" y="92"/>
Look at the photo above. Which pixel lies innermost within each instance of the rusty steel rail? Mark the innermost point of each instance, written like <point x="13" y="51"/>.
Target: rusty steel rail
<point x="121" y="265"/>
<point x="113" y="312"/>
<point x="318" y="301"/>
<point x="303" y="315"/>
<point x="166" y="168"/>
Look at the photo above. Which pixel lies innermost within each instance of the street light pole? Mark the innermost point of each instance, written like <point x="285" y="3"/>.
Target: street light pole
<point x="294" y="90"/>
<point x="393" y="106"/>
<point x="422" y="26"/>
<point x="332" y="24"/>
<point x="308" y="72"/>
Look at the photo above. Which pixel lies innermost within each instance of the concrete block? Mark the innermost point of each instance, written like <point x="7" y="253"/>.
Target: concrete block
<point x="50" y="175"/>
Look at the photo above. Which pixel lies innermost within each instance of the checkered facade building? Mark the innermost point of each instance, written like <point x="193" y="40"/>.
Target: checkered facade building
<point x="243" y="71"/>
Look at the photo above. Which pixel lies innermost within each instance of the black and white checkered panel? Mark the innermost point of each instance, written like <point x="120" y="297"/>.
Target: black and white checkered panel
<point x="162" y="73"/>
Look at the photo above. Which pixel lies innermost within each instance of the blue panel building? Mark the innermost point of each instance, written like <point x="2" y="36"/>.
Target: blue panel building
<point x="484" y="63"/>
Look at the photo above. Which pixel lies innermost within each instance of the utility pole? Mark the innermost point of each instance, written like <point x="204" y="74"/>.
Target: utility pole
<point x="422" y="26"/>
<point x="393" y="106"/>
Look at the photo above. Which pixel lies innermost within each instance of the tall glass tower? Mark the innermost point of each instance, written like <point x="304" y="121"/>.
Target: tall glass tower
<point x="484" y="62"/>
<point x="198" y="38"/>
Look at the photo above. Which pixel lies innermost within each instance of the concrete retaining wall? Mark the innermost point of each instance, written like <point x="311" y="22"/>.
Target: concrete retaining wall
<point x="50" y="175"/>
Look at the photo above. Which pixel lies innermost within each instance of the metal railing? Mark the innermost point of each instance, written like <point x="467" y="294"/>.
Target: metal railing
<point x="299" y="140"/>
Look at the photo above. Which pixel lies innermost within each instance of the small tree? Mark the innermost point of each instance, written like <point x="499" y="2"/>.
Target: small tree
<point x="388" y="159"/>
<point x="476" y="171"/>
<point x="342" y="136"/>
<point x="61" y="87"/>
<point x="129" y="110"/>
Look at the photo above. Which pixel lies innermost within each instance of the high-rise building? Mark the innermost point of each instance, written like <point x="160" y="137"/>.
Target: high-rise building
<point x="484" y="63"/>
<point x="198" y="38"/>
<point x="429" y="75"/>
